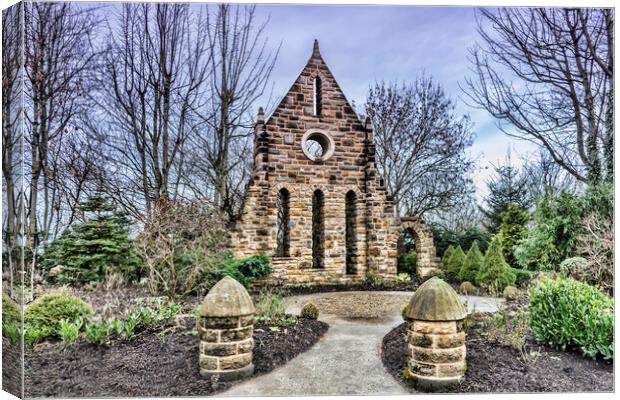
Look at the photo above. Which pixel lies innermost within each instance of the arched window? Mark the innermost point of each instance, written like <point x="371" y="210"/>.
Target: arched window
<point x="318" y="229"/>
<point x="283" y="234"/>
<point x="317" y="96"/>
<point x="350" y="236"/>
<point x="408" y="247"/>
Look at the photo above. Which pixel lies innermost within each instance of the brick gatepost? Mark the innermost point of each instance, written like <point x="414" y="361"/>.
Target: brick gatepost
<point x="225" y="328"/>
<point x="435" y="337"/>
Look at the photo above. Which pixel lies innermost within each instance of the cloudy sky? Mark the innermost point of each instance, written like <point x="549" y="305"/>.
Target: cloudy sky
<point x="362" y="44"/>
<point x="365" y="43"/>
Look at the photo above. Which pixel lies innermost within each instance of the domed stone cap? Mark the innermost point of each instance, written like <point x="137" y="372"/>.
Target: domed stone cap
<point x="435" y="300"/>
<point x="227" y="298"/>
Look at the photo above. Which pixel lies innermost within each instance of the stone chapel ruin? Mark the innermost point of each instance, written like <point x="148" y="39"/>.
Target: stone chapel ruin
<point x="315" y="202"/>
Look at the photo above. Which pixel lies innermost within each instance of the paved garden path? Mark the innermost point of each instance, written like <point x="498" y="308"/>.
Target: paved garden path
<point x="346" y="361"/>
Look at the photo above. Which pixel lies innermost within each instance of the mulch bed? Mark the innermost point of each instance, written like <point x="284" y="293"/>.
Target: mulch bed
<point x="496" y="368"/>
<point x="152" y="364"/>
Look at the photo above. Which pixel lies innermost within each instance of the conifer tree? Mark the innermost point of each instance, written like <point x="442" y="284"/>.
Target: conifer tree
<point x="473" y="263"/>
<point x="99" y="244"/>
<point x="455" y="263"/>
<point x="512" y="230"/>
<point x="509" y="187"/>
<point x="447" y="254"/>
<point x="495" y="273"/>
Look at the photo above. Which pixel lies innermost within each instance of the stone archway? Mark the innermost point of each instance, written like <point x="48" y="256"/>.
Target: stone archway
<point x="427" y="261"/>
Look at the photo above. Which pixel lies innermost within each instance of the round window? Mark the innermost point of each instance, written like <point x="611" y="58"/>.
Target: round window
<point x="317" y="145"/>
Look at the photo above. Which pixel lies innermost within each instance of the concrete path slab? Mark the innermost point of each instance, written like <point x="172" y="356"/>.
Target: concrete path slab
<point x="346" y="361"/>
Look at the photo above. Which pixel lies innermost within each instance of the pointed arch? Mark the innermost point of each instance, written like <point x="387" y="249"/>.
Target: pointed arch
<point x="318" y="229"/>
<point x="283" y="223"/>
<point x="350" y="232"/>
<point x="316" y="97"/>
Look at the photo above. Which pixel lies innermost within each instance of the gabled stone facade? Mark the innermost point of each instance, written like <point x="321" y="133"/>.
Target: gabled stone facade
<point x="324" y="217"/>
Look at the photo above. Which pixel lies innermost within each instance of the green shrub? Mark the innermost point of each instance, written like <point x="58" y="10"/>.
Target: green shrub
<point x="44" y="316"/>
<point x="270" y="307"/>
<point x="495" y="273"/>
<point x="403" y="277"/>
<point x="512" y="230"/>
<point x="565" y="312"/>
<point x="309" y="311"/>
<point x="575" y="267"/>
<point x="467" y="288"/>
<point x="138" y="320"/>
<point x="98" y="333"/>
<point x="88" y="251"/>
<point x="471" y="266"/>
<point x="454" y="264"/>
<point x="11" y="319"/>
<point x="407" y="263"/>
<point x="247" y="269"/>
<point x="510" y="293"/>
<point x="554" y="236"/>
<point x="523" y="277"/>
<point x="70" y="330"/>
<point x="444" y="238"/>
<point x="374" y="279"/>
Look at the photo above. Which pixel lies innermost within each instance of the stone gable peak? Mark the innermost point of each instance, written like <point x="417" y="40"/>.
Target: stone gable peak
<point x="316" y="79"/>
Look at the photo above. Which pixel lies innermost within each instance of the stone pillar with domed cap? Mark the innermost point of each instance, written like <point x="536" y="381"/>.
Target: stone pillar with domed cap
<point x="226" y="327"/>
<point x="435" y="337"/>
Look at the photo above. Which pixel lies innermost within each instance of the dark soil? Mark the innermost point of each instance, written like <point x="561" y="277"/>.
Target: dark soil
<point x="494" y="368"/>
<point x="152" y="364"/>
<point x="11" y="368"/>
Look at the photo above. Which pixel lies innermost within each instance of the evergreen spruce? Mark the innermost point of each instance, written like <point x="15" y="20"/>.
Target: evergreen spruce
<point x="447" y="254"/>
<point x="495" y="273"/>
<point x="509" y="187"/>
<point x="473" y="264"/>
<point x="512" y="230"/>
<point x="454" y="264"/>
<point x="90" y="249"/>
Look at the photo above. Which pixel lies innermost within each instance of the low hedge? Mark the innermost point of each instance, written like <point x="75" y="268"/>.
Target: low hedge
<point x="43" y="318"/>
<point x="524" y="276"/>
<point x="565" y="312"/>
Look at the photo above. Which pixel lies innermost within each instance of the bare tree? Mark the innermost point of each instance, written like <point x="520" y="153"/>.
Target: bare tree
<point x="153" y="80"/>
<point x="12" y="134"/>
<point x="241" y="66"/>
<point x="421" y="145"/>
<point x="59" y="58"/>
<point x="546" y="177"/>
<point x="547" y="73"/>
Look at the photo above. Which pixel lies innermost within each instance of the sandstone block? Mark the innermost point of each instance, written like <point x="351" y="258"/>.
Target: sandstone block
<point x="422" y="369"/>
<point x="219" y="322"/>
<point x="209" y="335"/>
<point x="207" y="362"/>
<point x="451" y="370"/>
<point x="450" y="340"/>
<point x="441" y="327"/>
<point x="236" y="361"/>
<point x="437" y="356"/>
<point x="218" y="349"/>
<point x="420" y="340"/>
<point x="245" y="346"/>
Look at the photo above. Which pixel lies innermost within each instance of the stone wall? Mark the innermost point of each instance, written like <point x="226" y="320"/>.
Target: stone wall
<point x="348" y="166"/>
<point x="427" y="261"/>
